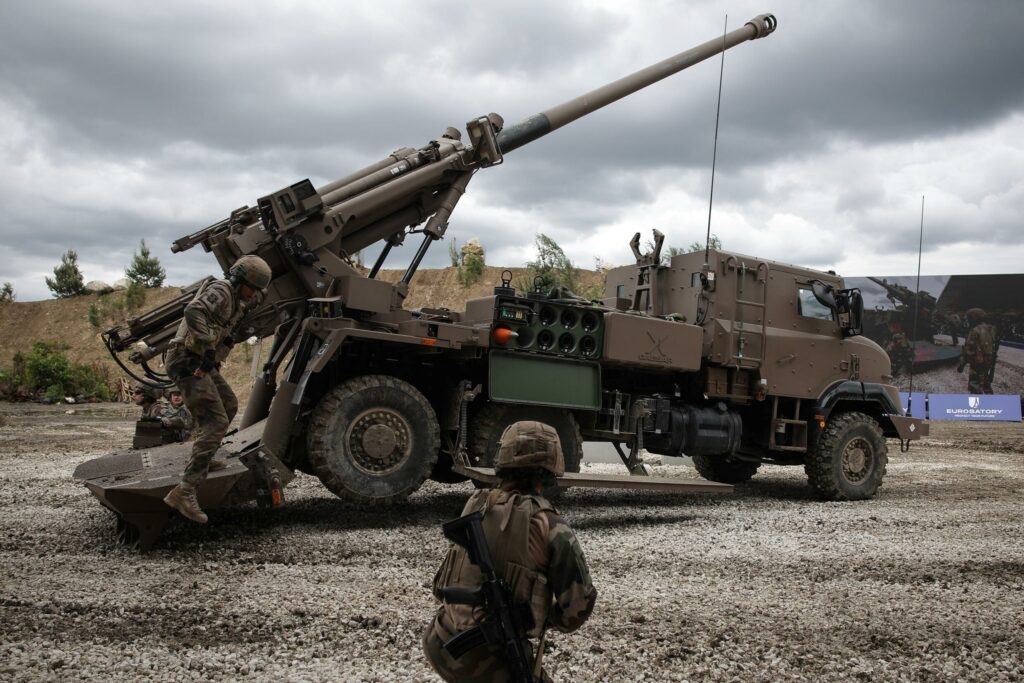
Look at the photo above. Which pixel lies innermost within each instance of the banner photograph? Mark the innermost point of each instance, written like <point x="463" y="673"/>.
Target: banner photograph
<point x="961" y="335"/>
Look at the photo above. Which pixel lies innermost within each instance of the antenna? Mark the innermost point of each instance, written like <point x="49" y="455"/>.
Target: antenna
<point x="917" y="311"/>
<point x="714" y="154"/>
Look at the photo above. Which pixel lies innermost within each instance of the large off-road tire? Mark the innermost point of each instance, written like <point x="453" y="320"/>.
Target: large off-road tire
<point x="373" y="439"/>
<point x="724" y="470"/>
<point x="486" y="426"/>
<point x="849" y="460"/>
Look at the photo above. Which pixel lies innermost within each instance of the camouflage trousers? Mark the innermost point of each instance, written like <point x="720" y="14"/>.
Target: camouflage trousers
<point x="485" y="664"/>
<point x="977" y="379"/>
<point x="213" y="405"/>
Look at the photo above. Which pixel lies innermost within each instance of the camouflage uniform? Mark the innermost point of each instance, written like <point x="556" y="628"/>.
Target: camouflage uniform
<point x="901" y="353"/>
<point x="179" y="420"/>
<point x="204" y="336"/>
<point x="540" y="559"/>
<point x="154" y="408"/>
<point x="979" y="352"/>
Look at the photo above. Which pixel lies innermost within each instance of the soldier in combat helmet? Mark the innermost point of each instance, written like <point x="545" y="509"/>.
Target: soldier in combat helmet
<point x="533" y="550"/>
<point x="979" y="351"/>
<point x="149" y="400"/>
<point x="203" y="339"/>
<point x="173" y="417"/>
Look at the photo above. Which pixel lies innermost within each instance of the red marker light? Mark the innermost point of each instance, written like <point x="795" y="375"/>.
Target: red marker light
<point x="503" y="335"/>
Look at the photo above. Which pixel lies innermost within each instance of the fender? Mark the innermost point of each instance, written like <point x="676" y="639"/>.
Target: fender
<point x="871" y="392"/>
<point x="889" y="415"/>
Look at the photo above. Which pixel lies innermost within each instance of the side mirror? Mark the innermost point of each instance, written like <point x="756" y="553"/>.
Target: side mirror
<point x="823" y="293"/>
<point x="851" y="311"/>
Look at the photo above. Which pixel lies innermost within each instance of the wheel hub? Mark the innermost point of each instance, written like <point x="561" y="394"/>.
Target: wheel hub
<point x="379" y="440"/>
<point x="857" y="460"/>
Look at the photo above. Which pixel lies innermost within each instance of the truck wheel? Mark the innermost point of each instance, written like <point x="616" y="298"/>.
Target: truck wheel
<point x="721" y="469"/>
<point x="849" y="460"/>
<point x="373" y="439"/>
<point x="486" y="426"/>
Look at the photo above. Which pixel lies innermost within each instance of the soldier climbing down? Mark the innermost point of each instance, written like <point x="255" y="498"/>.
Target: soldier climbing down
<point x="979" y="352"/>
<point x="534" y="552"/>
<point x="203" y="339"/>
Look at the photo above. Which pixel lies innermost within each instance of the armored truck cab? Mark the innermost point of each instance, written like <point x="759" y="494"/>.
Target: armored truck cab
<point x="780" y="347"/>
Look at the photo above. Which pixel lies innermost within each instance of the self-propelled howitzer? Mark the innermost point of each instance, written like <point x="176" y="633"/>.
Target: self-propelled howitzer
<point x="372" y="398"/>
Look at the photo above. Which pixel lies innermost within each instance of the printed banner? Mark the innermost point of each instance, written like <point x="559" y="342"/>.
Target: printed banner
<point x="918" y="408"/>
<point x="973" y="407"/>
<point x="957" y="333"/>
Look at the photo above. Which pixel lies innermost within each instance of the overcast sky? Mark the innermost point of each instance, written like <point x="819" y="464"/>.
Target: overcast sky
<point x="124" y="120"/>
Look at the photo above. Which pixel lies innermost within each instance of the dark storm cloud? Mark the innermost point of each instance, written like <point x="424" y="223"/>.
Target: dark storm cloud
<point x="171" y="115"/>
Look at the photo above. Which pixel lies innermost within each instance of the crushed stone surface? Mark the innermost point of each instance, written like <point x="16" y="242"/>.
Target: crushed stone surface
<point x="923" y="583"/>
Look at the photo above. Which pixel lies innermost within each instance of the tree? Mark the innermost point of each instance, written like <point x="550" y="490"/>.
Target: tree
<point x="67" y="278"/>
<point x="714" y="243"/>
<point x="552" y="267"/>
<point x="6" y="293"/>
<point x="145" y="268"/>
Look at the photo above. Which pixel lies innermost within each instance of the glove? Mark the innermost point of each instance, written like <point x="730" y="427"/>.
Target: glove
<point x="228" y="341"/>
<point x="960" y="367"/>
<point x="165" y="422"/>
<point x="209" y="361"/>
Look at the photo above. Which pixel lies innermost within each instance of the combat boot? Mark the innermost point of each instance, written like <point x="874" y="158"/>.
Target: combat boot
<point x="183" y="499"/>
<point x="217" y="465"/>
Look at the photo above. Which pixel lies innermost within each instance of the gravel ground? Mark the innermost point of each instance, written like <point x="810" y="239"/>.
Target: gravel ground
<point x="924" y="583"/>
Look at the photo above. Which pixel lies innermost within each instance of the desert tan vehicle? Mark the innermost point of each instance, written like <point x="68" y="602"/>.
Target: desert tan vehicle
<point x="718" y="362"/>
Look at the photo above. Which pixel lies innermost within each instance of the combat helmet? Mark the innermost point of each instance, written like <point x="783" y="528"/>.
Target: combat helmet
<point x="531" y="444"/>
<point x="976" y="315"/>
<point x="252" y="271"/>
<point x="148" y="393"/>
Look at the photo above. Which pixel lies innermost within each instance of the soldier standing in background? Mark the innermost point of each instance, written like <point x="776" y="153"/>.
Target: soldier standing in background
<point x="204" y="339"/>
<point x="901" y="353"/>
<point x="533" y="549"/>
<point x="979" y="352"/>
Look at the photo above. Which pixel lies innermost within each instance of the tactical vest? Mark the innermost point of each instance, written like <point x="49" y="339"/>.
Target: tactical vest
<point x="506" y="525"/>
<point x="215" y="299"/>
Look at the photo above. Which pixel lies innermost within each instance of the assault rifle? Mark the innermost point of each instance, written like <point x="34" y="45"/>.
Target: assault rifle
<point x="505" y="624"/>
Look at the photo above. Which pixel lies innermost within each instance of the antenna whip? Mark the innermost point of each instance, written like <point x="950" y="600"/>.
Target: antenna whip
<point x="714" y="153"/>
<point x="917" y="311"/>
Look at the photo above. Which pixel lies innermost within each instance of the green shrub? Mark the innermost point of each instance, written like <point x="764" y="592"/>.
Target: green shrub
<point x="55" y="393"/>
<point x="48" y="369"/>
<point x="134" y="296"/>
<point x="472" y="268"/>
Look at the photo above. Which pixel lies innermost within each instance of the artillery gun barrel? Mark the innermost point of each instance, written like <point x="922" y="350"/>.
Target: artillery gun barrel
<point x="539" y="125"/>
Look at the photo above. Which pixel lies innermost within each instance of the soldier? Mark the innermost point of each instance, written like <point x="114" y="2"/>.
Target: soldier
<point x="204" y="338"/>
<point x="149" y="400"/>
<point x="177" y="416"/>
<point x="533" y="549"/>
<point x="900" y="351"/>
<point x="979" y="352"/>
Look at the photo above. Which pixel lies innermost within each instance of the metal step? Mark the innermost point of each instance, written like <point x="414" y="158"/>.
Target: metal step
<point x="610" y="481"/>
